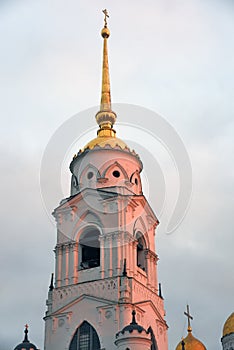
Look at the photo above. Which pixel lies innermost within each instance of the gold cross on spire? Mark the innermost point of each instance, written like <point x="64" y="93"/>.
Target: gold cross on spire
<point x="105" y="117"/>
<point x="106" y="16"/>
<point x="189" y="318"/>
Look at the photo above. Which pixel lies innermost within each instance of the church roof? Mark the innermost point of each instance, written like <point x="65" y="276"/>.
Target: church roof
<point x="26" y="345"/>
<point x="133" y="326"/>
<point x="106" y="140"/>
<point x="228" y="327"/>
<point x="191" y="343"/>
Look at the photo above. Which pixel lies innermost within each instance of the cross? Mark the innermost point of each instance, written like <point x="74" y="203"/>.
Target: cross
<point x="189" y="317"/>
<point x="26" y="326"/>
<point x="106" y="15"/>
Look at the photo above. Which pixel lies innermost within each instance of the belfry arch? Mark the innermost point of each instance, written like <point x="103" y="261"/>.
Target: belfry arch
<point x="89" y="248"/>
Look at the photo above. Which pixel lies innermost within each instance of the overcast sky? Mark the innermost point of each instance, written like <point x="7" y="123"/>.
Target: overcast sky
<point x="172" y="57"/>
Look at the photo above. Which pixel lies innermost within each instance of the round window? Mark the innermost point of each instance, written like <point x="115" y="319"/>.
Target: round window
<point x="116" y="173"/>
<point x="90" y="175"/>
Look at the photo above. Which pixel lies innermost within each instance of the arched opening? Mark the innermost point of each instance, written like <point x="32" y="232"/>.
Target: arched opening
<point x="89" y="248"/>
<point x="85" y="338"/>
<point x="141" y="252"/>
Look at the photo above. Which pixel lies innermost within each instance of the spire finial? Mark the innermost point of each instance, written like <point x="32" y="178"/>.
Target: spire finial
<point x="105" y="117"/>
<point x="124" y="268"/>
<point x="26" y="334"/>
<point x="105" y="18"/>
<point x="51" y="287"/>
<point x="133" y="317"/>
<point x="189" y="318"/>
<point x="160" y="291"/>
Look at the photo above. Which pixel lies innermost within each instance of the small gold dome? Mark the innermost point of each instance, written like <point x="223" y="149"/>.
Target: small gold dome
<point x="105" y="141"/>
<point x="191" y="343"/>
<point x="229" y="325"/>
<point x="106" y="137"/>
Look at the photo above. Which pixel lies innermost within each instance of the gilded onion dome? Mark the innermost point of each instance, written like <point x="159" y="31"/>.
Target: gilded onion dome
<point x="228" y="327"/>
<point x="106" y="141"/>
<point x="190" y="342"/>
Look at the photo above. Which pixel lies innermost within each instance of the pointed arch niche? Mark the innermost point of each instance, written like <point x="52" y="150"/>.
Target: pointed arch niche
<point x="115" y="173"/>
<point x="88" y="177"/>
<point x="85" y="338"/>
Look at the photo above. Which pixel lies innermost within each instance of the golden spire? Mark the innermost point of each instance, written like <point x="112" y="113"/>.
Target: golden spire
<point x="105" y="117"/>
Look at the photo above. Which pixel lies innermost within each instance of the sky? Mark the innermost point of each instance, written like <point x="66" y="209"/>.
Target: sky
<point x="174" y="58"/>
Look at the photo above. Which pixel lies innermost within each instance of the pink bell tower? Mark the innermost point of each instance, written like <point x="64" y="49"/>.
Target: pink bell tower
<point x="106" y="261"/>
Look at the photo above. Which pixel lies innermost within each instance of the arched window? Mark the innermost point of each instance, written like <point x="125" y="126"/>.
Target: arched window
<point x="85" y="338"/>
<point x="141" y="251"/>
<point x="89" y="249"/>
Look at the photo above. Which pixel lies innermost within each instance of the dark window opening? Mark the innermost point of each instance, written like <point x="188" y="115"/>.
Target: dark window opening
<point x="116" y="173"/>
<point x="85" y="338"/>
<point x="89" y="249"/>
<point x="141" y="259"/>
<point x="90" y="175"/>
<point x="136" y="182"/>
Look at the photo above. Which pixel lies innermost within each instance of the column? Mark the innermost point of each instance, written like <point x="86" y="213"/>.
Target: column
<point x="128" y="254"/>
<point x="110" y="248"/>
<point x="58" y="255"/>
<point x="106" y="256"/>
<point x="134" y="257"/>
<point x="130" y="258"/>
<point x="63" y="275"/>
<point x="67" y="249"/>
<point x="114" y="254"/>
<point x="73" y="262"/>
<point x="102" y="255"/>
<point x="118" y="253"/>
<point x="148" y="267"/>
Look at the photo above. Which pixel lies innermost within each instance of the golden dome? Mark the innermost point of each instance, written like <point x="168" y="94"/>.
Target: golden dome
<point x="191" y="343"/>
<point x="105" y="141"/>
<point x="106" y="137"/>
<point x="229" y="325"/>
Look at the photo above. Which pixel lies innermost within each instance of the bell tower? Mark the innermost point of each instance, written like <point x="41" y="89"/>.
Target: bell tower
<point x="106" y="261"/>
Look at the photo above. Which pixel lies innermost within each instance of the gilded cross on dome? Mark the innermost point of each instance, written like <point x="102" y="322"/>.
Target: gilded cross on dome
<point x="106" y="16"/>
<point x="189" y="318"/>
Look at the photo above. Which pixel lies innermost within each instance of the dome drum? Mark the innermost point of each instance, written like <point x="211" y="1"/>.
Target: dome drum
<point x="108" y="167"/>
